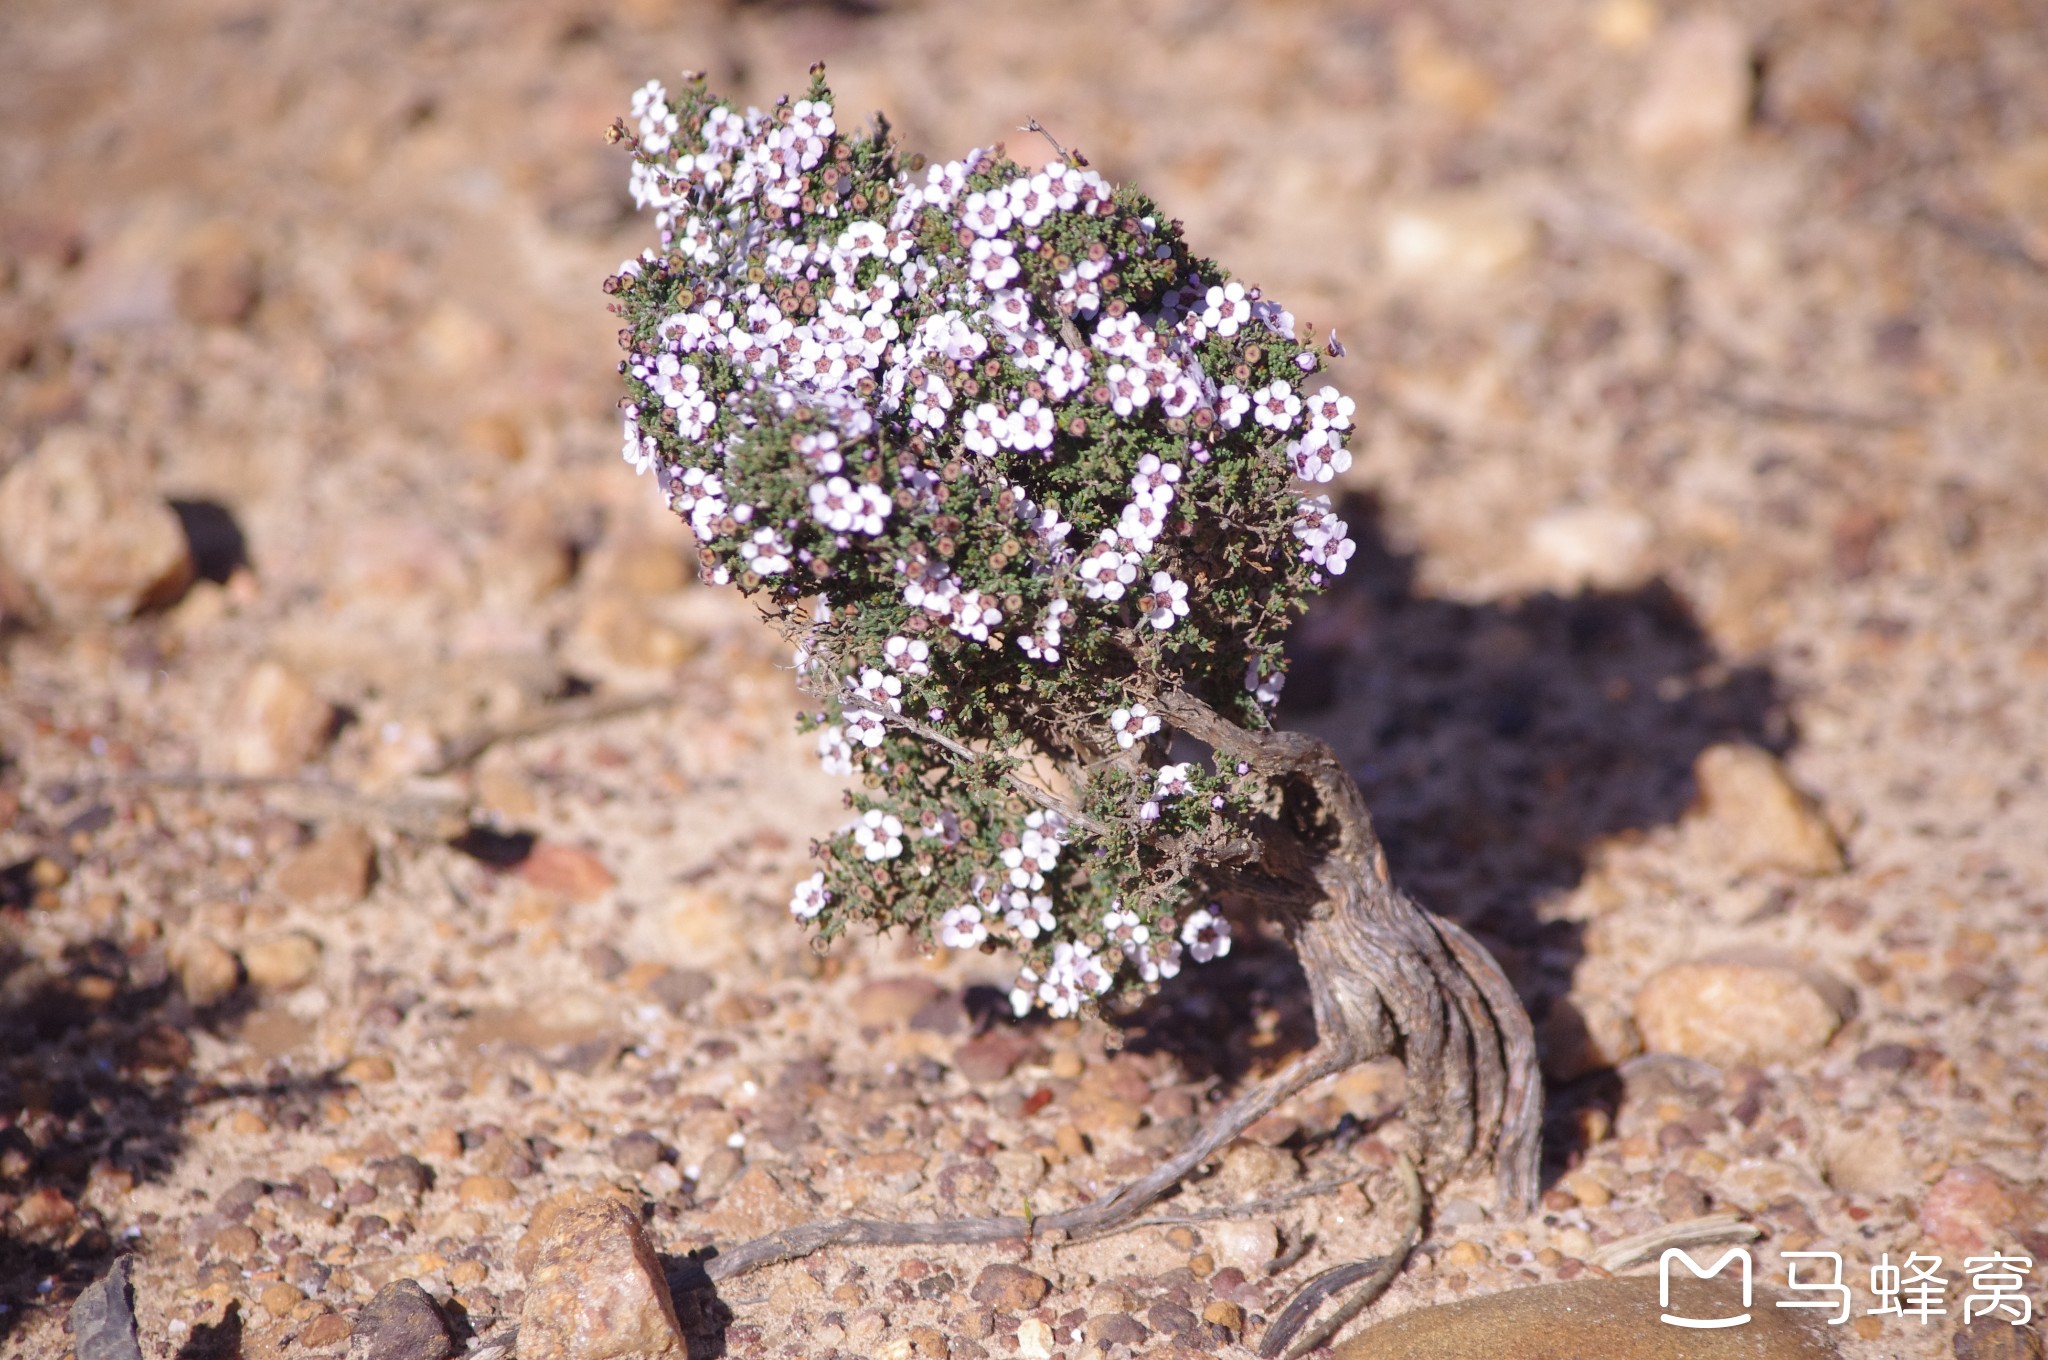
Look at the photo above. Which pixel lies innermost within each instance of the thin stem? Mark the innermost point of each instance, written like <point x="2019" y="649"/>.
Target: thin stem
<point x="1045" y="798"/>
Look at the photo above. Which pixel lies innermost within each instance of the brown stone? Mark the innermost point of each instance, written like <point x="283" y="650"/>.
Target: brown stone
<point x="1009" y="1289"/>
<point x="1995" y="1338"/>
<point x="83" y="534"/>
<point x="282" y="962"/>
<point x="1224" y="1314"/>
<point x="277" y="724"/>
<point x="596" y="1290"/>
<point x="1618" y="1319"/>
<point x="992" y="1056"/>
<point x="1741" y="1010"/>
<point x="1112" y="1329"/>
<point x="238" y="1243"/>
<point x="404" y="1323"/>
<point x="486" y="1190"/>
<point x="1698" y="88"/>
<point x="1974" y="1209"/>
<point x="278" y="1298"/>
<point x="325" y="1332"/>
<point x="757" y="1203"/>
<point x="207" y="972"/>
<point x="568" y="871"/>
<point x="1757" y="818"/>
<point x="334" y="866"/>
<point x="892" y="1001"/>
<point x="369" y="1069"/>
<point x="219" y="277"/>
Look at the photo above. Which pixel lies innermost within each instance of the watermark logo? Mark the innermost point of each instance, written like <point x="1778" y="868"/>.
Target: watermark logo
<point x="1916" y="1288"/>
<point x="1736" y="1254"/>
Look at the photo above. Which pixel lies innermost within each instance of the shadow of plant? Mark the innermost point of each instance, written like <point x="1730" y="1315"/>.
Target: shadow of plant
<point x="1498" y="745"/>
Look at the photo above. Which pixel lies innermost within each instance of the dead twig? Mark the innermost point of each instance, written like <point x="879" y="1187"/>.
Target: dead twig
<point x="1624" y="1252"/>
<point x="1983" y="238"/>
<point x="464" y="750"/>
<point x="1073" y="158"/>
<point x="1247" y="1209"/>
<point x="420" y="814"/>
<point x="1311" y="1296"/>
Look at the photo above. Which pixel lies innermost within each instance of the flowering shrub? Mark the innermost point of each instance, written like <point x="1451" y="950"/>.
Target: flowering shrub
<point x="1003" y="458"/>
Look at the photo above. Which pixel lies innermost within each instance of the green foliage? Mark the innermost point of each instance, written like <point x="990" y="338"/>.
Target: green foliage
<point x="1005" y="460"/>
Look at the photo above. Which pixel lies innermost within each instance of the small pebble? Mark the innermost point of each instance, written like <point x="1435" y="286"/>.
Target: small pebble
<point x="1757" y="818"/>
<point x="1009" y="1288"/>
<point x="404" y="1323"/>
<point x="596" y="1289"/>
<point x="278" y="723"/>
<point x="282" y="963"/>
<point x="335" y="867"/>
<point x="82" y="531"/>
<point x="1973" y="1209"/>
<point x="1740" y="1011"/>
<point x="207" y="972"/>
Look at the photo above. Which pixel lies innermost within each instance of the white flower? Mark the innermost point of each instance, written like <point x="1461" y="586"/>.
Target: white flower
<point x="835" y="504"/>
<point x="1023" y="992"/>
<point x="1160" y="959"/>
<point x="809" y="898"/>
<point x="1207" y="935"/>
<point x="1263" y="685"/>
<point x="1318" y="456"/>
<point x="1132" y="725"/>
<point x="877" y="690"/>
<point x="1276" y="406"/>
<point x="1226" y="308"/>
<point x="1169" y="601"/>
<point x="1124" y="928"/>
<point x="1231" y="404"/>
<point x="767" y="552"/>
<point x="912" y="656"/>
<point x="1029" y="427"/>
<point x="1028" y="914"/>
<point x="878" y="834"/>
<point x="1330" y="410"/>
<point x="1155" y="479"/>
<point x="992" y="264"/>
<point x="1127" y="389"/>
<point x="962" y="928"/>
<point x="986" y="213"/>
<point x="833" y="752"/>
<point x="983" y="429"/>
<point x="872" y="508"/>
<point x="866" y="728"/>
<point x="1106" y="571"/>
<point x="1171" y="780"/>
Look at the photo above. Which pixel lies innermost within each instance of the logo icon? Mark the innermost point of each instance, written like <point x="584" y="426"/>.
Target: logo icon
<point x="1664" y="1286"/>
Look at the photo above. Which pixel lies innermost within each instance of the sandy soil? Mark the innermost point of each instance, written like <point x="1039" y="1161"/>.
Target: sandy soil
<point x="1704" y="363"/>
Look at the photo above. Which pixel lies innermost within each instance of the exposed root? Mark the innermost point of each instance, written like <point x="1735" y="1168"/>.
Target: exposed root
<point x="1385" y="977"/>
<point x="1376" y="1277"/>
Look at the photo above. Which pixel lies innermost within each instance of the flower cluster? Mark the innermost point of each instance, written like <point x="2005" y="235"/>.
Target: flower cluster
<point x="1005" y="458"/>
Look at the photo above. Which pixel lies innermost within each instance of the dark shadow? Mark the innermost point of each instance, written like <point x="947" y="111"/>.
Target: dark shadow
<point x="704" y="1317"/>
<point x="1497" y="745"/>
<point x="96" y="1082"/>
<point x="216" y="1340"/>
<point x="497" y="849"/>
<point x="214" y="537"/>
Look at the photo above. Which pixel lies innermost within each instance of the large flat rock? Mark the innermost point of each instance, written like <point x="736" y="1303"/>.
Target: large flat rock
<point x="1598" y="1320"/>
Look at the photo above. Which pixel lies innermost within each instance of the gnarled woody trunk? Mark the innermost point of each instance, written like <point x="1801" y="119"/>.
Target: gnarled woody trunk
<point x="1385" y="977"/>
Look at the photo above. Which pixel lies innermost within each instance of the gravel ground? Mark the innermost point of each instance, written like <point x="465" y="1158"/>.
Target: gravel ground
<point x="393" y="835"/>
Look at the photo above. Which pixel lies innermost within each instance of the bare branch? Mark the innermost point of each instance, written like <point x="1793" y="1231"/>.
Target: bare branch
<point x="1045" y="798"/>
